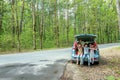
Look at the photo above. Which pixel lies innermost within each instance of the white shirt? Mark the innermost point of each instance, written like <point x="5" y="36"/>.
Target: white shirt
<point x="86" y="50"/>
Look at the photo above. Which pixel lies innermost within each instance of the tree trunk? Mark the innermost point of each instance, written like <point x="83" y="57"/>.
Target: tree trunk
<point x="56" y="27"/>
<point x="22" y="12"/>
<point x="75" y="25"/>
<point x="75" y="18"/>
<point x="17" y="26"/>
<point x="118" y="11"/>
<point x="67" y="22"/>
<point x="41" y="26"/>
<point x="34" y="25"/>
<point x="13" y="23"/>
<point x="1" y="15"/>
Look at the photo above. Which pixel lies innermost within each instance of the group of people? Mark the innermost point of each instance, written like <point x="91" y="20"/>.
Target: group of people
<point x="85" y="50"/>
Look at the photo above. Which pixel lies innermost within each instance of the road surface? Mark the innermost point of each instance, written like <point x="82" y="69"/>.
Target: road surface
<point x="38" y="65"/>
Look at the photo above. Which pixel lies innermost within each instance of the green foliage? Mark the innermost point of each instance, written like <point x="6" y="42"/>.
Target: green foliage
<point x="6" y="43"/>
<point x="89" y="16"/>
<point x="26" y="39"/>
<point x="110" y="78"/>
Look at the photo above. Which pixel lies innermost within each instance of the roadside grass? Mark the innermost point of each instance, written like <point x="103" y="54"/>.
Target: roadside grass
<point x="118" y="47"/>
<point x="14" y="50"/>
<point x="114" y="64"/>
<point x="111" y="78"/>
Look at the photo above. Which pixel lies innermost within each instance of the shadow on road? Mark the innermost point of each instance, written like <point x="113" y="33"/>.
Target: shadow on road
<point x="26" y="71"/>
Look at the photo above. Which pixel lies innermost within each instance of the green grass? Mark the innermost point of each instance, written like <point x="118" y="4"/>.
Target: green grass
<point x="110" y="78"/>
<point x="15" y="50"/>
<point x="118" y="47"/>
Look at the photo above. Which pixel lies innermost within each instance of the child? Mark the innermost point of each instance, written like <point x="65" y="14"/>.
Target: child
<point x="86" y="49"/>
<point x="80" y="52"/>
<point x="86" y="53"/>
<point x="92" y="49"/>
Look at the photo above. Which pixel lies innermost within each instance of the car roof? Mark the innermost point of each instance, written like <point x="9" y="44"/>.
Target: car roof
<point x="86" y="37"/>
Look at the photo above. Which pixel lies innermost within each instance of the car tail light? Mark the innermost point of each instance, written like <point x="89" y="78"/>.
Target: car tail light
<point x="73" y="48"/>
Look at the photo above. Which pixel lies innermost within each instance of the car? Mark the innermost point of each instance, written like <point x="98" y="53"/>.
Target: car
<point x="89" y="39"/>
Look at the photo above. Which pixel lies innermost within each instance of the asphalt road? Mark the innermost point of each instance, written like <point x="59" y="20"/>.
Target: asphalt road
<point x="39" y="65"/>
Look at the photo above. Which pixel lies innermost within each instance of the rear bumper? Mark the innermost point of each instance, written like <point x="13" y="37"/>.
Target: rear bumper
<point x="74" y="58"/>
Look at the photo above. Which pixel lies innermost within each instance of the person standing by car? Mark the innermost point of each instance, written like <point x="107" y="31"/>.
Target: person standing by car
<point x="92" y="52"/>
<point x="80" y="53"/>
<point x="95" y="45"/>
<point x="75" y="44"/>
<point x="75" y="47"/>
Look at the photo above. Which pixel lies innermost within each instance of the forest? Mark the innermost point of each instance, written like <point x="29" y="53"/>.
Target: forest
<point x="44" y="24"/>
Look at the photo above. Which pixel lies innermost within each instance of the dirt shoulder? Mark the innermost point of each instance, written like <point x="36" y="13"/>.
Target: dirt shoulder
<point x="108" y="69"/>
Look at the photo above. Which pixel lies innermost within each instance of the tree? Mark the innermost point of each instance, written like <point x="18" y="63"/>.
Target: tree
<point x="17" y="25"/>
<point x="75" y="15"/>
<point x="67" y="6"/>
<point x="1" y="15"/>
<point x="118" y="10"/>
<point x="41" y="26"/>
<point x="56" y="27"/>
<point x="13" y="22"/>
<point x="34" y="24"/>
<point x="22" y="12"/>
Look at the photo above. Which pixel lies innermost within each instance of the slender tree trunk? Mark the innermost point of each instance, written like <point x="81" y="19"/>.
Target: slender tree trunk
<point x="1" y="15"/>
<point x="84" y="28"/>
<point x="13" y="22"/>
<point x="67" y="22"/>
<point x="55" y="18"/>
<point x="21" y="20"/>
<point x="34" y="25"/>
<point x="118" y="11"/>
<point x="116" y="33"/>
<point x="99" y="27"/>
<point x="56" y="27"/>
<point x="99" y="34"/>
<point x="75" y="17"/>
<point x="75" y="25"/>
<point x="49" y="13"/>
<point x="79" y="25"/>
<point x="41" y="26"/>
<point x="17" y="26"/>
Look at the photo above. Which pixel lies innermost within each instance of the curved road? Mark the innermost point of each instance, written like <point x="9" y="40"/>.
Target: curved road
<point x="38" y="65"/>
